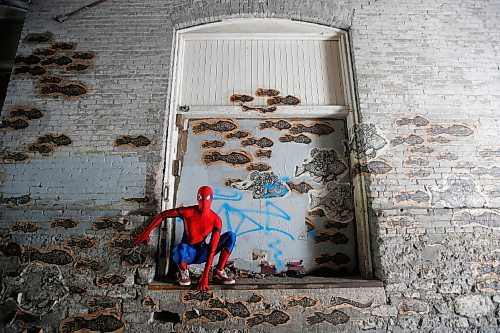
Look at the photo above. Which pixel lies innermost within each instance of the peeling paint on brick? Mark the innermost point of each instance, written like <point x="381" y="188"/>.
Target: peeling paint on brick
<point x="44" y="52"/>
<point x="418" y="196"/>
<point x="26" y="112"/>
<point x="81" y="242"/>
<point x="336" y="317"/>
<point x="103" y="303"/>
<point x="61" y="61"/>
<point x="107" y="280"/>
<point x="68" y="89"/>
<point x="43" y="37"/>
<point x="15" y="124"/>
<point x="137" y="141"/>
<point x="15" y="201"/>
<point x="33" y="71"/>
<point x="122" y="243"/>
<point x="54" y="255"/>
<point x="275" y="318"/>
<point x="64" y="223"/>
<point x="28" y="60"/>
<point x="411" y="140"/>
<point x="89" y="265"/>
<point x="303" y="302"/>
<point x="416" y="121"/>
<point x="25" y="226"/>
<point x="109" y="223"/>
<point x="14" y="157"/>
<point x="101" y="321"/>
<point x="453" y="130"/>
<point x="65" y="46"/>
<point x="372" y="167"/>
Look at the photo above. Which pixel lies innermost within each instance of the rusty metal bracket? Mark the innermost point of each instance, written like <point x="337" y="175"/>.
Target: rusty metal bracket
<point x="63" y="17"/>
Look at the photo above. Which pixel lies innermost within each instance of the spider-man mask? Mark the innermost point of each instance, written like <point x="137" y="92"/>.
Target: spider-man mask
<point x="205" y="196"/>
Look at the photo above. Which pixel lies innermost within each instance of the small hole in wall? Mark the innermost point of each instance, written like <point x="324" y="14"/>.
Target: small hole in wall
<point x="167" y="316"/>
<point x="401" y="210"/>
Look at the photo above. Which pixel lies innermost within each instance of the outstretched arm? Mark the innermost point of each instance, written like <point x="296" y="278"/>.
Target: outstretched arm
<point x="144" y="235"/>
<point x="203" y="283"/>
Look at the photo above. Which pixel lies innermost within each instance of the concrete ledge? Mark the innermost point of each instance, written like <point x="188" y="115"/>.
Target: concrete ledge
<point x="307" y="282"/>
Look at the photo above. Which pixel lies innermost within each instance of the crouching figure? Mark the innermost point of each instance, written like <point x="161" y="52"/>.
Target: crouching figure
<point x="199" y="222"/>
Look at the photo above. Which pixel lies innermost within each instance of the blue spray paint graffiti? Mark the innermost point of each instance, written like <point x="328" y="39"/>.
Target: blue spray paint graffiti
<point x="246" y="221"/>
<point x="276" y="188"/>
<point x="227" y="195"/>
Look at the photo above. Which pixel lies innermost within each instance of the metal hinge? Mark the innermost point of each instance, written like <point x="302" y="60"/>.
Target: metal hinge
<point x="166" y="192"/>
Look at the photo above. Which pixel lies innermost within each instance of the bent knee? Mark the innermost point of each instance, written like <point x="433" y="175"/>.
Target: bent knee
<point x="230" y="240"/>
<point x="180" y="253"/>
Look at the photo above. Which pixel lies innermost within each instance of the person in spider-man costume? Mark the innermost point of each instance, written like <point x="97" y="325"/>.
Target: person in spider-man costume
<point x="199" y="222"/>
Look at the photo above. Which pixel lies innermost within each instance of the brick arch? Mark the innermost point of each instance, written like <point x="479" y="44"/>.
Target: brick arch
<point x="191" y="13"/>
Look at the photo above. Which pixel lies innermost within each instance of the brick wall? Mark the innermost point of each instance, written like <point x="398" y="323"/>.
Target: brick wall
<point x="82" y="148"/>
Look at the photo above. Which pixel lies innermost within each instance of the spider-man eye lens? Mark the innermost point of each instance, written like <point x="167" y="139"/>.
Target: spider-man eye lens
<point x="209" y="197"/>
<point x="200" y="197"/>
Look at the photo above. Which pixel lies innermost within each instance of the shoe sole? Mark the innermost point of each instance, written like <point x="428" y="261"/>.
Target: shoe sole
<point x="185" y="283"/>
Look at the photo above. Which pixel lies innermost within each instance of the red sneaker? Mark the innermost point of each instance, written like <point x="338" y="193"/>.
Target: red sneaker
<point x="184" y="280"/>
<point x="222" y="277"/>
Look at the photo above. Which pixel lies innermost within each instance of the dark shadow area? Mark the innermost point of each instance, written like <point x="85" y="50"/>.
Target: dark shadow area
<point x="167" y="317"/>
<point x="11" y="25"/>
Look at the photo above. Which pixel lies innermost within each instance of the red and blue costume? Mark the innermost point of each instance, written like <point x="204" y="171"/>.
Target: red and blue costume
<point x="199" y="222"/>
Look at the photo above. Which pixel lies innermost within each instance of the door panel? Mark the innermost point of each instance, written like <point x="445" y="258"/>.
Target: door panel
<point x="282" y="186"/>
